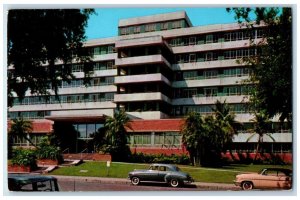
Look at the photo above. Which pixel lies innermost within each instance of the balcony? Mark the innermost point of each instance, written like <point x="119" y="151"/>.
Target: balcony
<point x="206" y="65"/>
<point x="149" y="96"/>
<point x="214" y="46"/>
<point x="140" y="41"/>
<point x="210" y="82"/>
<point x="142" y="79"/>
<point x="150" y="59"/>
<point x="209" y="100"/>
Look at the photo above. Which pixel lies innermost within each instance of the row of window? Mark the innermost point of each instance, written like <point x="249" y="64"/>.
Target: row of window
<point x="212" y="91"/>
<point x="216" y="37"/>
<point x="206" y="109"/>
<point x="102" y="50"/>
<point x="210" y="56"/>
<point x="167" y="139"/>
<point x="28" y="114"/>
<point x="76" y="98"/>
<point x="104" y="65"/>
<point x="209" y="74"/>
<point x="152" y="27"/>
<point x="99" y="81"/>
<point x="35" y="138"/>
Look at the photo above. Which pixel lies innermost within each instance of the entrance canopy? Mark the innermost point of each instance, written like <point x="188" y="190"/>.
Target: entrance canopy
<point x="77" y="119"/>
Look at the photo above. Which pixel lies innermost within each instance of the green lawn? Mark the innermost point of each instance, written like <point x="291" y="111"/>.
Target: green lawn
<point x="120" y="170"/>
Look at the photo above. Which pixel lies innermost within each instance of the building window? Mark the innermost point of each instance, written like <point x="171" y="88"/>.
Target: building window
<point x="209" y="92"/>
<point x="209" y="38"/>
<point x="136" y="29"/>
<point x="141" y="139"/>
<point x="192" y="40"/>
<point x="210" y="74"/>
<point x="168" y="139"/>
<point x="176" y="24"/>
<point x="164" y="26"/>
<point x="150" y="27"/>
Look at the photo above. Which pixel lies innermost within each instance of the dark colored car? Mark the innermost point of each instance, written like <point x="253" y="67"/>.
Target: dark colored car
<point x="32" y="183"/>
<point x="164" y="173"/>
<point x="267" y="178"/>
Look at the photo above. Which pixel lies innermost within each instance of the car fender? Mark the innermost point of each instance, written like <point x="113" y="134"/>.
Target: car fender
<point x="168" y="177"/>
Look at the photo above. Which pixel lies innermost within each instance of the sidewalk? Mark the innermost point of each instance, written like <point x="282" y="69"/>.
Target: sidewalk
<point x="210" y="186"/>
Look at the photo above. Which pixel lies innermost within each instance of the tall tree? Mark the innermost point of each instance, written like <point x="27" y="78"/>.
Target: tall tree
<point x="40" y="38"/>
<point x="193" y="136"/>
<point x="272" y="66"/>
<point x="116" y="136"/>
<point x="206" y="137"/>
<point x="262" y="127"/>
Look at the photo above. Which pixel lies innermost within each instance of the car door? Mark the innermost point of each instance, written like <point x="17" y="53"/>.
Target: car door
<point x="270" y="180"/>
<point x="162" y="172"/>
<point x="152" y="174"/>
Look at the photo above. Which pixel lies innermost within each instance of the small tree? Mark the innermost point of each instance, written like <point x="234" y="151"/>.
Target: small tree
<point x="20" y="128"/>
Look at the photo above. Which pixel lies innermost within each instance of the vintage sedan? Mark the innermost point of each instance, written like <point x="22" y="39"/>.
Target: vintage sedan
<point x="267" y="178"/>
<point x="164" y="173"/>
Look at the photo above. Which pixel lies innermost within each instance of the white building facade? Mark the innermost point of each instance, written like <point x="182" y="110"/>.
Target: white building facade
<point x="159" y="68"/>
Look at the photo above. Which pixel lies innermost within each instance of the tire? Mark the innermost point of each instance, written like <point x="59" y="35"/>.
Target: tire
<point x="174" y="182"/>
<point x="247" y="185"/>
<point x="135" y="180"/>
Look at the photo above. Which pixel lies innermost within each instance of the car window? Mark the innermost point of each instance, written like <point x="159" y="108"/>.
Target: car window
<point x="153" y="168"/>
<point x="162" y="168"/>
<point x="271" y="173"/>
<point x="281" y="173"/>
<point x="39" y="186"/>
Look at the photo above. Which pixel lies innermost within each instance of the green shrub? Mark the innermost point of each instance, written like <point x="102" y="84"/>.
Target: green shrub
<point x="47" y="151"/>
<point x="162" y="158"/>
<point x="24" y="157"/>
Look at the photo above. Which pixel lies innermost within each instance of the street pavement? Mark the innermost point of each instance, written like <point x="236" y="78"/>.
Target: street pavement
<point x="208" y="186"/>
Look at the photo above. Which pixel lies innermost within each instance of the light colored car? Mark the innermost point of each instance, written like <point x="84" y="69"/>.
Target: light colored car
<point x="163" y="173"/>
<point x="267" y="178"/>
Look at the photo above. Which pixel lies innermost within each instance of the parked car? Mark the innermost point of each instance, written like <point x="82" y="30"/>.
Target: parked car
<point x="32" y="183"/>
<point x="267" y="178"/>
<point x="164" y="173"/>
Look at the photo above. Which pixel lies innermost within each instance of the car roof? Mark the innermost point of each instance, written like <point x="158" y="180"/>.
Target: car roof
<point x="26" y="179"/>
<point x="161" y="164"/>
<point x="279" y="169"/>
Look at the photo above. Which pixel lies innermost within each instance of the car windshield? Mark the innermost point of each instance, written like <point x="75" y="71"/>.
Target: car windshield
<point x="177" y="168"/>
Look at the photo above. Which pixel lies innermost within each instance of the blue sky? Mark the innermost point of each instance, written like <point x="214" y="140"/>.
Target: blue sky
<point x="105" y="23"/>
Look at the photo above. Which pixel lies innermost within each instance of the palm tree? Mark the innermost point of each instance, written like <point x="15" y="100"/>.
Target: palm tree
<point x="192" y="136"/>
<point x="116" y="136"/>
<point x="262" y="126"/>
<point x="225" y="124"/>
<point x="21" y="128"/>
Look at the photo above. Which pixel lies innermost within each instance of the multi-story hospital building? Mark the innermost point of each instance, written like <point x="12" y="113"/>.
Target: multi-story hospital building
<point x="158" y="68"/>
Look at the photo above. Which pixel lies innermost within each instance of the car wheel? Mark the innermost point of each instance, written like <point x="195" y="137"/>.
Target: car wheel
<point x="135" y="180"/>
<point x="174" y="182"/>
<point x="247" y="185"/>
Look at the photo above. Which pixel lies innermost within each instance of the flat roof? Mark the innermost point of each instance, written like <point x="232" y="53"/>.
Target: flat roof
<point x="155" y="18"/>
